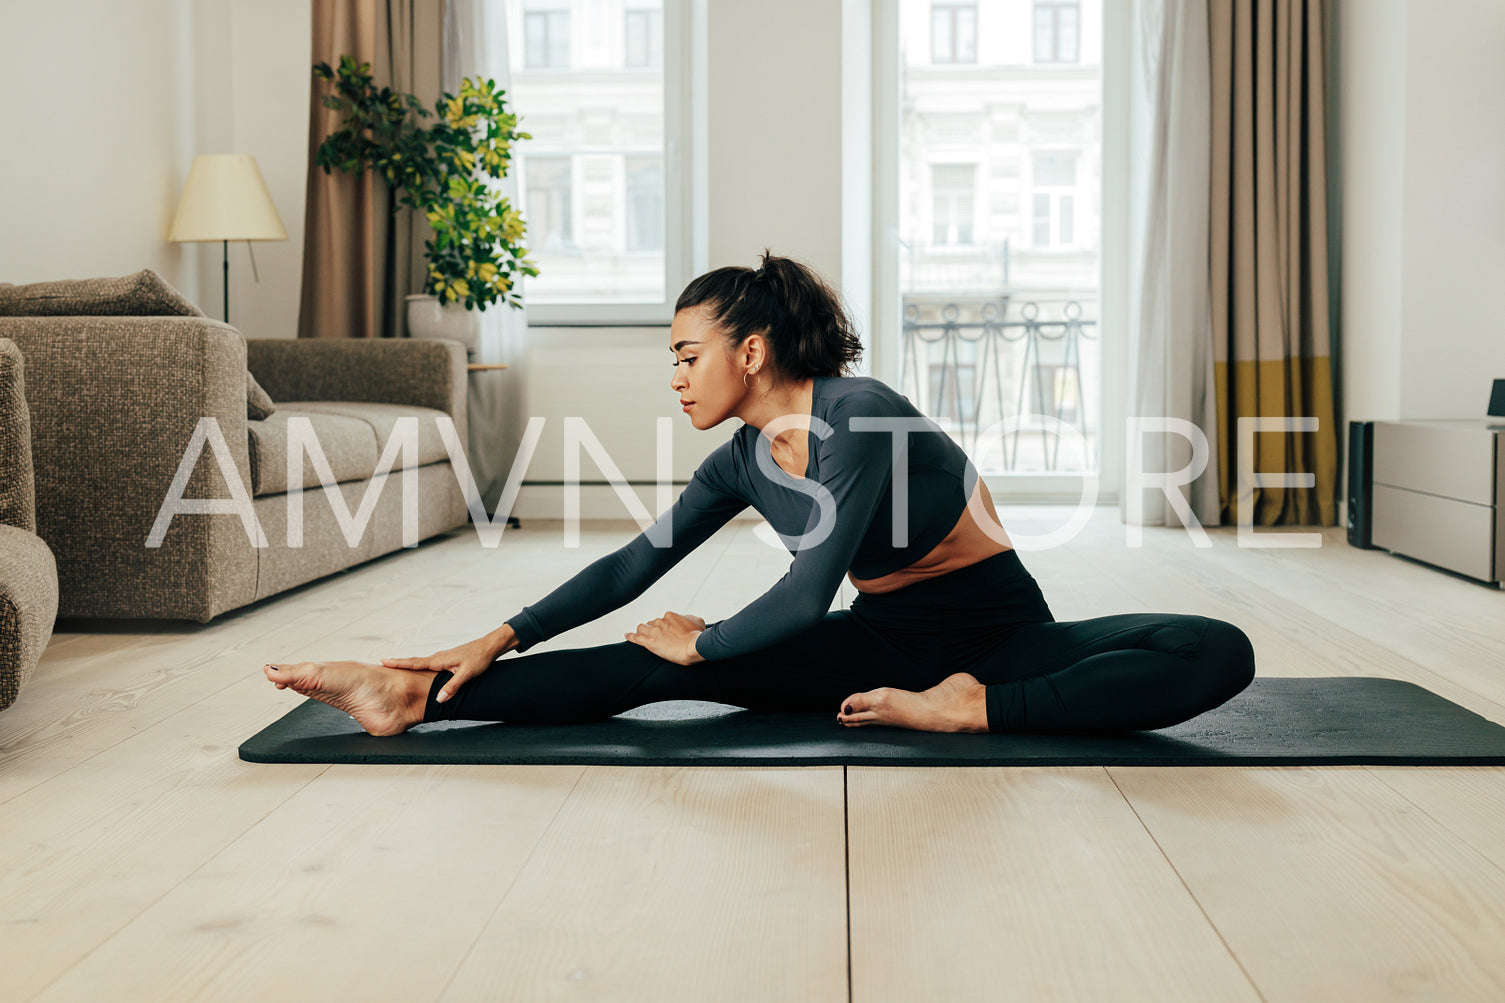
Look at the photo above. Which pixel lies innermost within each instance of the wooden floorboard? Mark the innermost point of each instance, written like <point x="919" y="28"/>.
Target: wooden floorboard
<point x="141" y="859"/>
<point x="676" y="884"/>
<point x="1019" y="883"/>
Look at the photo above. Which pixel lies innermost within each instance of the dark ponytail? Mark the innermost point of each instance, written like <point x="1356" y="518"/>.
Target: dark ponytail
<point x="807" y="327"/>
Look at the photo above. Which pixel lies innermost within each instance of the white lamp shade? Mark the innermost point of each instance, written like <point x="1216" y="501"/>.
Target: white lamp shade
<point x="225" y="199"/>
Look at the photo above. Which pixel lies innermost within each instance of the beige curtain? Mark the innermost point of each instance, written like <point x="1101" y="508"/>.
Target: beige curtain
<point x="1268" y="234"/>
<point x="360" y="260"/>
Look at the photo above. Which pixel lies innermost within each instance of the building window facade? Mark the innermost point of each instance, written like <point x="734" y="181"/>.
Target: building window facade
<point x="953" y="32"/>
<point x="548" y="204"/>
<point x="546" y="38"/>
<point x="643" y="37"/>
<point x="953" y="189"/>
<point x="1054" y="223"/>
<point x="645" y="204"/>
<point x="1057" y="31"/>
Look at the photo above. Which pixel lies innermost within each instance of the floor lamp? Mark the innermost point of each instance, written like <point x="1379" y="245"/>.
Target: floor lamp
<point x="225" y="199"/>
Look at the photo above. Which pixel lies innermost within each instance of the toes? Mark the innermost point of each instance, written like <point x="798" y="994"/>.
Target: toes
<point x="871" y="700"/>
<point x="290" y="674"/>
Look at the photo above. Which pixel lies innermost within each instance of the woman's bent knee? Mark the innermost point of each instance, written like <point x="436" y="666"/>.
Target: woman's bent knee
<point x="1227" y="652"/>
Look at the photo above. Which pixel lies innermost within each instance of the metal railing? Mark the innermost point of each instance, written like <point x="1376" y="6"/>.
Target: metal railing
<point x="1038" y="340"/>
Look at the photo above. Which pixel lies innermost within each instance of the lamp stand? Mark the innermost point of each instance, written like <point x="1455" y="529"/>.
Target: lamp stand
<point x="227" y="280"/>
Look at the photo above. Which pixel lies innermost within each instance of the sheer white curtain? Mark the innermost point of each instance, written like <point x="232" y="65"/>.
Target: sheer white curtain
<point x="475" y="44"/>
<point x="1171" y="329"/>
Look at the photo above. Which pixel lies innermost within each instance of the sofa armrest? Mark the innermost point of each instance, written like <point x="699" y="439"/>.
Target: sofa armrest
<point x="28" y="607"/>
<point x="422" y="372"/>
<point x="114" y="403"/>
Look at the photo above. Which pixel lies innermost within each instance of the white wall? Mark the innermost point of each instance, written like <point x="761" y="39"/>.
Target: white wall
<point x="1421" y="102"/>
<point x="111" y="103"/>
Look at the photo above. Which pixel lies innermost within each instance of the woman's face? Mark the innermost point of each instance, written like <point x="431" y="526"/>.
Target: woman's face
<point x="704" y="376"/>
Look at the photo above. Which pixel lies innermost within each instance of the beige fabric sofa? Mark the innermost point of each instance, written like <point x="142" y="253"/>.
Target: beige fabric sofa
<point x="115" y="401"/>
<point x="28" y="573"/>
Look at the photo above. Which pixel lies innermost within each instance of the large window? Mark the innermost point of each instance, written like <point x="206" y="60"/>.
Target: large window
<point x="602" y="181"/>
<point x="953" y="31"/>
<point x="997" y="205"/>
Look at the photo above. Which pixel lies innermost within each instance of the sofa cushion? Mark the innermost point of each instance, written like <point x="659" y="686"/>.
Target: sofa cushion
<point x="259" y="406"/>
<point x="142" y="294"/>
<point x="351" y="435"/>
<point x="17" y="485"/>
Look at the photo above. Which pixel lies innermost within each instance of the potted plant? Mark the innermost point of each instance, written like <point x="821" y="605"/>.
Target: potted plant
<point x="446" y="170"/>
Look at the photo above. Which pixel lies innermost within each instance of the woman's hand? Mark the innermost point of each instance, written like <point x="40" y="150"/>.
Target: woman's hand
<point x="466" y="661"/>
<point x="671" y="636"/>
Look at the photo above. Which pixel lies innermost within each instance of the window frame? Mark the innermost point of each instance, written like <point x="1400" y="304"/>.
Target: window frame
<point x="679" y="194"/>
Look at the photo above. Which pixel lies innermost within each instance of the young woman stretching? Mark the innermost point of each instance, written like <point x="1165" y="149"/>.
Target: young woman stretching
<point x="947" y="632"/>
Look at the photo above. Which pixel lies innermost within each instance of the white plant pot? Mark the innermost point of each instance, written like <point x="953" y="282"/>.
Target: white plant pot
<point x="428" y="319"/>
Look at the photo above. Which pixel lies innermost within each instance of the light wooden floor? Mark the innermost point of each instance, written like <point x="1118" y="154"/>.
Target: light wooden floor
<point x="140" y="859"/>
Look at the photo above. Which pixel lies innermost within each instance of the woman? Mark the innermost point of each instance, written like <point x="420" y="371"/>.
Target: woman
<point x="947" y="632"/>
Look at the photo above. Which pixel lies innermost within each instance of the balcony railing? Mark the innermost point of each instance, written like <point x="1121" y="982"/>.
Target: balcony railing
<point x="1012" y="364"/>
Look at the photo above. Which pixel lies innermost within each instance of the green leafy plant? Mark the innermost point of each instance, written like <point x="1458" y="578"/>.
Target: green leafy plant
<point x="444" y="170"/>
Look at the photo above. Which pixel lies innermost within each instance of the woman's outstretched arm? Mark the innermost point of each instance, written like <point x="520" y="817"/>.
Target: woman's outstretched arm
<point x="706" y="504"/>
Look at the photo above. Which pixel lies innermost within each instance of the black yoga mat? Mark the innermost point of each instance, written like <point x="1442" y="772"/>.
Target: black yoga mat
<point x="1281" y="721"/>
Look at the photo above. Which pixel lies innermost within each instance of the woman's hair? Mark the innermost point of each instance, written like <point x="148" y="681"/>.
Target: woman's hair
<point x="787" y="302"/>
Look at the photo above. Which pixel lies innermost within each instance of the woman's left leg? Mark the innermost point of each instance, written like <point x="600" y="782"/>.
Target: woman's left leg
<point x="1128" y="671"/>
<point x="809" y="671"/>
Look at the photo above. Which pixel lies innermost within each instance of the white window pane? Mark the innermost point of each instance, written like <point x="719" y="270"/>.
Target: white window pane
<point x="645" y="204"/>
<point x="1067" y="38"/>
<point x="1068" y="224"/>
<point x="635" y="32"/>
<point x="1045" y="35"/>
<point x="941" y="44"/>
<point x="548" y="204"/>
<point x="966" y="34"/>
<point x="656" y="38"/>
<point x="535" y="47"/>
<point x="1042" y="221"/>
<point x="559" y="38"/>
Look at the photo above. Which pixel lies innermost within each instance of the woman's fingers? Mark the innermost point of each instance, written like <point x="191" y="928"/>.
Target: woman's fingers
<point x="449" y="688"/>
<point x="429" y="663"/>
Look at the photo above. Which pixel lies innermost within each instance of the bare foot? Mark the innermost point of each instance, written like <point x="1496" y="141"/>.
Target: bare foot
<point x="383" y="701"/>
<point x="956" y="703"/>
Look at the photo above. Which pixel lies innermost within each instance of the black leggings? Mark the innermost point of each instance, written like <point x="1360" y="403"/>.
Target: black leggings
<point x="1126" y="671"/>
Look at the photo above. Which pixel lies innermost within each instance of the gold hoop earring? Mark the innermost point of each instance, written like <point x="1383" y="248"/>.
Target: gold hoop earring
<point x="750" y="372"/>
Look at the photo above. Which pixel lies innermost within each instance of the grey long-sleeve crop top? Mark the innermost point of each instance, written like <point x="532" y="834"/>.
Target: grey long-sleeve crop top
<point x="852" y="467"/>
